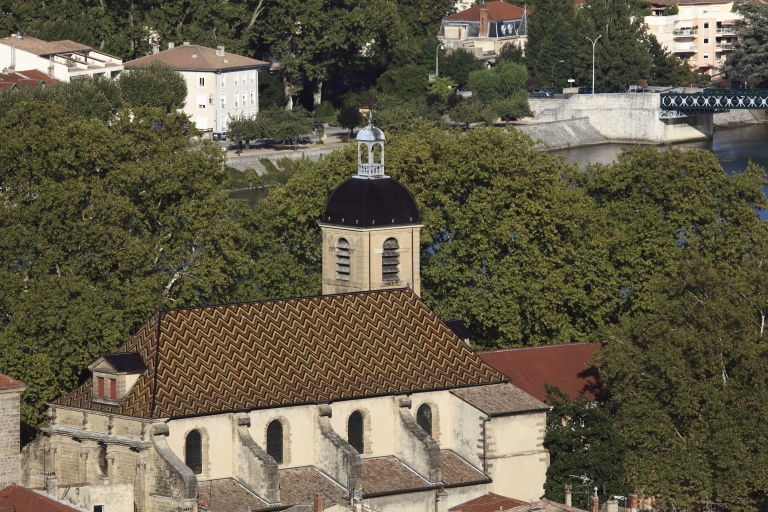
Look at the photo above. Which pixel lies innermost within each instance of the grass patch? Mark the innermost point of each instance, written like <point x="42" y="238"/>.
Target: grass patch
<point x="281" y="170"/>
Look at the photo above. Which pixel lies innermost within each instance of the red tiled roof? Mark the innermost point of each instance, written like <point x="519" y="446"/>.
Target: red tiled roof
<point x="497" y="11"/>
<point x="300" y="485"/>
<point x="20" y="499"/>
<point x="294" y="351"/>
<point x="500" y="399"/>
<point x="195" y="57"/>
<point x="227" y="495"/>
<point x="564" y="366"/>
<point x="388" y="475"/>
<point x="488" y="503"/>
<point x="7" y="382"/>
<point x="457" y="472"/>
<point x="29" y="78"/>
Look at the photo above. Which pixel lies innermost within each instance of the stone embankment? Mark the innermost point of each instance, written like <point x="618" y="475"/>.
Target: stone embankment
<point x="253" y="160"/>
<point x="563" y="134"/>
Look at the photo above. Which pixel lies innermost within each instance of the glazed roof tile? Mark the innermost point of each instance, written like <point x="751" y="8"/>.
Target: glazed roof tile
<point x="197" y="58"/>
<point x="497" y="11"/>
<point x="7" y="383"/>
<point x="227" y="495"/>
<point x="500" y="400"/>
<point x="20" y="499"/>
<point x="565" y="366"/>
<point x="488" y="503"/>
<point x="457" y="472"/>
<point x="289" y="352"/>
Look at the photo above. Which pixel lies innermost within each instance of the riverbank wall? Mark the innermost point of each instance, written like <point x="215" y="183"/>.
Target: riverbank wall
<point x="253" y="161"/>
<point x="632" y="118"/>
<point x="563" y="134"/>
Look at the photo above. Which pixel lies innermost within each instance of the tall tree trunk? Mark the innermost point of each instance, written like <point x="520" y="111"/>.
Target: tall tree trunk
<point x="318" y="96"/>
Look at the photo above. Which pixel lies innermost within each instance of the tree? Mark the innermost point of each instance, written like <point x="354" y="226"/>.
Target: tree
<point x="157" y="85"/>
<point x="408" y="82"/>
<point x="442" y="87"/>
<point x="666" y="68"/>
<point x="512" y="108"/>
<point x="458" y="65"/>
<point x="512" y="53"/>
<point x="747" y="60"/>
<point x="689" y="376"/>
<point x="471" y="111"/>
<point x="277" y="124"/>
<point x="98" y="231"/>
<point x="501" y="82"/>
<point x="271" y="91"/>
<point x="349" y="117"/>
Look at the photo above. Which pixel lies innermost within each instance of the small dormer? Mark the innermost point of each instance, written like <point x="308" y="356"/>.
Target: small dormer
<point x="114" y="375"/>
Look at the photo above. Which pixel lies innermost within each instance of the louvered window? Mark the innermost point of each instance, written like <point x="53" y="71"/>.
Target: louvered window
<point x="275" y="441"/>
<point x="424" y="418"/>
<point x="342" y="260"/>
<point x="193" y="452"/>
<point x="355" y="431"/>
<point x="390" y="261"/>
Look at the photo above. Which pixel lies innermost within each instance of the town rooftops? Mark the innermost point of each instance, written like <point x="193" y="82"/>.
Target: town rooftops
<point x="567" y="367"/>
<point x="44" y="48"/>
<point x="500" y="400"/>
<point x="497" y="11"/>
<point x="193" y="57"/>
<point x="8" y="383"/>
<point x="31" y="78"/>
<point x="544" y="505"/>
<point x="20" y="499"/>
<point x="488" y="503"/>
<point x="212" y="359"/>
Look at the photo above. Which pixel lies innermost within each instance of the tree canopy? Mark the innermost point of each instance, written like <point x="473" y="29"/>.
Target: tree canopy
<point x="156" y="85"/>
<point x="748" y="60"/>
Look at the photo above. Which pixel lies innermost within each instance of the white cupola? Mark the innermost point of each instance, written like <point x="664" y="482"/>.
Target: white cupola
<point x="370" y="152"/>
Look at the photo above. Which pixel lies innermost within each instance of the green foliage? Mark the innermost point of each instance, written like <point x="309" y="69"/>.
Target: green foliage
<point x="582" y="441"/>
<point x="666" y="68"/>
<point x="271" y="92"/>
<point x="325" y="109"/>
<point x="350" y="118"/>
<point x="671" y="10"/>
<point x="277" y="124"/>
<point x="690" y="377"/>
<point x="747" y="60"/>
<point x="236" y="179"/>
<point x="442" y="86"/>
<point x="279" y="172"/>
<point x="512" y="53"/>
<point x="408" y="82"/>
<point x="501" y="82"/>
<point x="156" y="85"/>
<point x="514" y="107"/>
<point x="458" y="65"/>
<point x="471" y="111"/>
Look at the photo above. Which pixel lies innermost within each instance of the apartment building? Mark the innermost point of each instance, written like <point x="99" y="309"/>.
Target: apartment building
<point x="701" y="33"/>
<point x="64" y="60"/>
<point x="485" y="28"/>
<point x="220" y="85"/>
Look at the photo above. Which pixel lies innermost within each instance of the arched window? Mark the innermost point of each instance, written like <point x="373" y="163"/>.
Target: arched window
<point x="424" y="418"/>
<point x="275" y="441"/>
<point x="342" y="260"/>
<point x="193" y="452"/>
<point x="101" y="461"/>
<point x="355" y="431"/>
<point x="390" y="261"/>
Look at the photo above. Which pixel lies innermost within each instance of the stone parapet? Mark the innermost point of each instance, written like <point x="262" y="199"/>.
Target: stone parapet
<point x="254" y="468"/>
<point x="413" y="445"/>
<point x="335" y="456"/>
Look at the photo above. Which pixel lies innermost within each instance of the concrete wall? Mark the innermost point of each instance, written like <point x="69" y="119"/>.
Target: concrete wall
<point x="243" y="163"/>
<point x="623" y="117"/>
<point x="723" y="119"/>
<point x="9" y="436"/>
<point x="563" y="134"/>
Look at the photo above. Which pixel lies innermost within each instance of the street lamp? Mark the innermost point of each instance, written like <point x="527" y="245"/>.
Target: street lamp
<point x="593" y="60"/>
<point x="552" y="84"/>
<point x="437" y="49"/>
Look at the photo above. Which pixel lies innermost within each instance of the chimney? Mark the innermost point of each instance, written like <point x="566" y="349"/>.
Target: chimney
<point x="155" y="48"/>
<point x="484" y="14"/>
<point x="612" y="505"/>
<point x="186" y="43"/>
<point x="594" y="504"/>
<point x="220" y="50"/>
<point x="568" y="496"/>
<point x="317" y="506"/>
<point x="51" y="66"/>
<point x="171" y="44"/>
<point x="12" y="68"/>
<point x="51" y="485"/>
<point x="633" y="502"/>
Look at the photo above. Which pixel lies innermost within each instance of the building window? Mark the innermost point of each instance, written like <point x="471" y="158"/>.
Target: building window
<point x="101" y="462"/>
<point x="237" y="100"/>
<point x="706" y="25"/>
<point x="200" y="81"/>
<point x="706" y="41"/>
<point x="253" y="97"/>
<point x="113" y="389"/>
<point x="355" y="431"/>
<point x="100" y="386"/>
<point x="424" y="418"/>
<point x="245" y="99"/>
<point x="245" y="78"/>
<point x="223" y="123"/>
<point x="201" y="101"/>
<point x="390" y="261"/>
<point x="342" y="260"/>
<point x="706" y="55"/>
<point x="718" y="55"/>
<point x="253" y="77"/>
<point x="223" y="80"/>
<point x="98" y="508"/>
<point x="223" y="100"/>
<point x="236" y="78"/>
<point x="275" y="441"/>
<point x="193" y="452"/>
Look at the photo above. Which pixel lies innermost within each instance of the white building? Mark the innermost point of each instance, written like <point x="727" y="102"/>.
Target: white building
<point x="64" y="60"/>
<point x="220" y="85"/>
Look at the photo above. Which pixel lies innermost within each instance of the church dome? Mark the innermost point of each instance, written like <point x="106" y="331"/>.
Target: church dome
<point x="371" y="203"/>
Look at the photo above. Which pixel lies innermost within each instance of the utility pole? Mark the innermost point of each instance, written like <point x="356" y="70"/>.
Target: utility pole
<point x="552" y="83"/>
<point x="593" y="60"/>
<point x="437" y="49"/>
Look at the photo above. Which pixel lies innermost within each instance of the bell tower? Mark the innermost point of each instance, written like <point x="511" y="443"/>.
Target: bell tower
<point x="371" y="227"/>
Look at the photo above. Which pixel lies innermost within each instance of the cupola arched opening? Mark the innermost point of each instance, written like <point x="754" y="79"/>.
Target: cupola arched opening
<point x="193" y="452"/>
<point x="355" y="431"/>
<point x="424" y="418"/>
<point x="275" y="441"/>
<point x="390" y="261"/>
<point x="342" y="259"/>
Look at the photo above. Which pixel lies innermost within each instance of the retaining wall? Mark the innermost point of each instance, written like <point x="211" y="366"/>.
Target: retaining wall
<point x="563" y="134"/>
<point x="245" y="162"/>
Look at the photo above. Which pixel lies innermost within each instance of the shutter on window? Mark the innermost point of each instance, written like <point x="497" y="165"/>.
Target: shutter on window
<point x="342" y="260"/>
<point x="390" y="261"/>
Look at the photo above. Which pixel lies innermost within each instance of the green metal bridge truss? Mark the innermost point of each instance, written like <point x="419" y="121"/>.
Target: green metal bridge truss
<point x="678" y="104"/>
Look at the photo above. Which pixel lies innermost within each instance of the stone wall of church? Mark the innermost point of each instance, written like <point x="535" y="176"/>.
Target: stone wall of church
<point x="9" y="437"/>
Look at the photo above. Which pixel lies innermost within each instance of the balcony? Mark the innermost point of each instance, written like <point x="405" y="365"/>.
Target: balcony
<point x="725" y="31"/>
<point x="685" y="32"/>
<point x="724" y="47"/>
<point x="684" y="48"/>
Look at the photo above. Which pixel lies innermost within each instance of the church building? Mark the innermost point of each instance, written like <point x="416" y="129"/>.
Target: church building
<point x="358" y="399"/>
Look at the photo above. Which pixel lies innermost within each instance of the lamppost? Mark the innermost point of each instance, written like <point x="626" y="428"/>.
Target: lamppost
<point x="552" y="84"/>
<point x="593" y="60"/>
<point x="437" y="49"/>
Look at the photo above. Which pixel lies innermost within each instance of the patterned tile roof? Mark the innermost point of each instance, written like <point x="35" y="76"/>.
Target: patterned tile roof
<point x="388" y="475"/>
<point x="285" y="352"/>
<point x="487" y="503"/>
<point x="300" y="485"/>
<point x="565" y="366"/>
<point x="457" y="472"/>
<point x="227" y="495"/>
<point x="500" y="399"/>
<point x="20" y="499"/>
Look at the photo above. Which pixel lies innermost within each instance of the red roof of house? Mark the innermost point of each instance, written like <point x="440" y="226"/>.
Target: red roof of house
<point x="7" y="382"/>
<point x="497" y="11"/>
<point x="488" y="503"/>
<point x="29" y="78"/>
<point x="21" y="499"/>
<point x="566" y="366"/>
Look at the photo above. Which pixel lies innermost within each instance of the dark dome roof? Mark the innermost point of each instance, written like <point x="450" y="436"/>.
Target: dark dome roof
<point x="371" y="202"/>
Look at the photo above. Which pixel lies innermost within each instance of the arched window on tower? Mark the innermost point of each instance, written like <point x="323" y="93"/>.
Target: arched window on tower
<point x="101" y="461"/>
<point x="342" y="259"/>
<point x="275" y="441"/>
<point x="424" y="418"/>
<point x="390" y="261"/>
<point x="193" y="452"/>
<point x="355" y="431"/>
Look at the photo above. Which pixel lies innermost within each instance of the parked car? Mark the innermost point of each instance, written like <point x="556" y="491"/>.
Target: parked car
<point x="542" y="93"/>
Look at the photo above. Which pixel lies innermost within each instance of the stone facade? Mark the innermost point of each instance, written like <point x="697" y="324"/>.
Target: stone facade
<point x="10" y="422"/>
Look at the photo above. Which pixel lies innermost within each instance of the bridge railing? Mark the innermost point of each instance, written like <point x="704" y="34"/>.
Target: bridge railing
<point x="715" y="99"/>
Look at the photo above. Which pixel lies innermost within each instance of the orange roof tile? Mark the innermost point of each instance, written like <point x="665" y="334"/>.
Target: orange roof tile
<point x="488" y="503"/>
<point x="497" y="11"/>
<point x="20" y="499"/>
<point x="294" y="351"/>
<point x="196" y="58"/>
<point x="228" y="495"/>
<point x="7" y="382"/>
<point x="457" y="472"/>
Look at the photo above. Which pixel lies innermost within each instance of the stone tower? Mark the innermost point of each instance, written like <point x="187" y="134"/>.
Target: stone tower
<point x="10" y="429"/>
<point x="371" y="227"/>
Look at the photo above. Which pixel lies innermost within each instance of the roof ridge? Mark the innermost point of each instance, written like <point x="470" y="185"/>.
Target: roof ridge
<point x="205" y="56"/>
<point x="515" y="349"/>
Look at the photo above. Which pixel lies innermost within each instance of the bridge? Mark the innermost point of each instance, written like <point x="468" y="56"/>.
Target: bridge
<point x="678" y="104"/>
